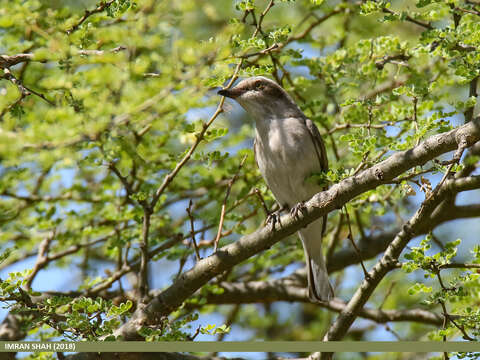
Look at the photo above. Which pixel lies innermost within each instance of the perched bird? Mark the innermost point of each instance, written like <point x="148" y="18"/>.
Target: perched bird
<point x="288" y="148"/>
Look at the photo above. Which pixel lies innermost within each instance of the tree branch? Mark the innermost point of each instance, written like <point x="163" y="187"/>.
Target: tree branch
<point x="293" y="289"/>
<point x="10" y="60"/>
<point x="410" y="19"/>
<point x="472" y="92"/>
<point x="102" y="6"/>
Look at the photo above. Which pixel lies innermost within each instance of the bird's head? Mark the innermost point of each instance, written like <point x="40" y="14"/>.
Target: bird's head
<point x="262" y="98"/>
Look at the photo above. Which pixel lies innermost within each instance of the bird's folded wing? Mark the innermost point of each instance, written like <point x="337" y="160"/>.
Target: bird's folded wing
<point x="318" y="143"/>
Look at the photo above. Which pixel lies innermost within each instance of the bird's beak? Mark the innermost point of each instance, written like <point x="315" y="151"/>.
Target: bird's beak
<point x="231" y="93"/>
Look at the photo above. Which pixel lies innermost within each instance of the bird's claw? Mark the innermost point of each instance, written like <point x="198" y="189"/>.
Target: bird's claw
<point x="299" y="208"/>
<point x="273" y="218"/>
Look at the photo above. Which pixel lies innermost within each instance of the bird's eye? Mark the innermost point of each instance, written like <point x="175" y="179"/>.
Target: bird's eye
<point x="259" y="86"/>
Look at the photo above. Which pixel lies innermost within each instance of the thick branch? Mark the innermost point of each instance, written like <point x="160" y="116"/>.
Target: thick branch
<point x="9" y="60"/>
<point x="292" y="288"/>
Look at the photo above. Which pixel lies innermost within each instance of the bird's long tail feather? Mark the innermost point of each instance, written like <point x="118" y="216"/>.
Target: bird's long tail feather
<point x="319" y="288"/>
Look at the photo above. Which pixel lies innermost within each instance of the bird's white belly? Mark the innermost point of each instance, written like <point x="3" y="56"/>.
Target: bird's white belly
<point x="286" y="157"/>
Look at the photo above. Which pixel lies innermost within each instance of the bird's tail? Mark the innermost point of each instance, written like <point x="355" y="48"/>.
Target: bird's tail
<point x="319" y="288"/>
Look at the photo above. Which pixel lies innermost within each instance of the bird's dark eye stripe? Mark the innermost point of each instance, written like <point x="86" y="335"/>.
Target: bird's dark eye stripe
<point x="258" y="85"/>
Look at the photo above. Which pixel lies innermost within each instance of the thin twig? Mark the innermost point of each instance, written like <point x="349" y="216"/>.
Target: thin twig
<point x="153" y="75"/>
<point x="224" y="205"/>
<point x="462" y="145"/>
<point x="350" y="237"/>
<point x="229" y="321"/>
<point x="362" y="163"/>
<point x="446" y="315"/>
<point x="126" y="184"/>
<point x="437" y="188"/>
<point x="358" y="220"/>
<point x="102" y="52"/>
<point x="399" y="180"/>
<point x="469" y="11"/>
<point x="7" y="74"/>
<point x="262" y="16"/>
<point x="41" y="96"/>
<point x="347" y="126"/>
<point x="370" y="119"/>
<point x="25" y="91"/>
<point x="208" y="243"/>
<point x="389" y="329"/>
<point x="437" y="241"/>
<point x="192" y="229"/>
<point x="191" y="338"/>
<point x="314" y="24"/>
<point x="335" y="238"/>
<point x="42" y="259"/>
<point x="387" y="294"/>
<point x="415" y="120"/>
<point x="380" y="64"/>
<point x="143" y="272"/>
<point x="459" y="266"/>
<point x="410" y="19"/>
<point x="261" y="52"/>
<point x="102" y="6"/>
<point x="472" y="93"/>
<point x="262" y="202"/>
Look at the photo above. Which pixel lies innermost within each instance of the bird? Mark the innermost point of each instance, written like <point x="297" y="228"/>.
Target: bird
<point x="288" y="148"/>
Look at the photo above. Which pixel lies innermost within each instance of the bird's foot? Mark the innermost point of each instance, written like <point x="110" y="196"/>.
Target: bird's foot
<point x="274" y="217"/>
<point x="297" y="209"/>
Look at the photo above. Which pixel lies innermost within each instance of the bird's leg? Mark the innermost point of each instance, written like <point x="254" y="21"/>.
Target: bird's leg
<point x="299" y="208"/>
<point x="274" y="216"/>
<point x="270" y="216"/>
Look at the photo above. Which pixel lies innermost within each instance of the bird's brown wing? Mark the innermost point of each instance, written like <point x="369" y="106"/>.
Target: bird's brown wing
<point x="321" y="154"/>
<point x="318" y="143"/>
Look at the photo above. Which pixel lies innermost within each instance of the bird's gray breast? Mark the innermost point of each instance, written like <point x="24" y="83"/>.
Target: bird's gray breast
<point x="286" y="156"/>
